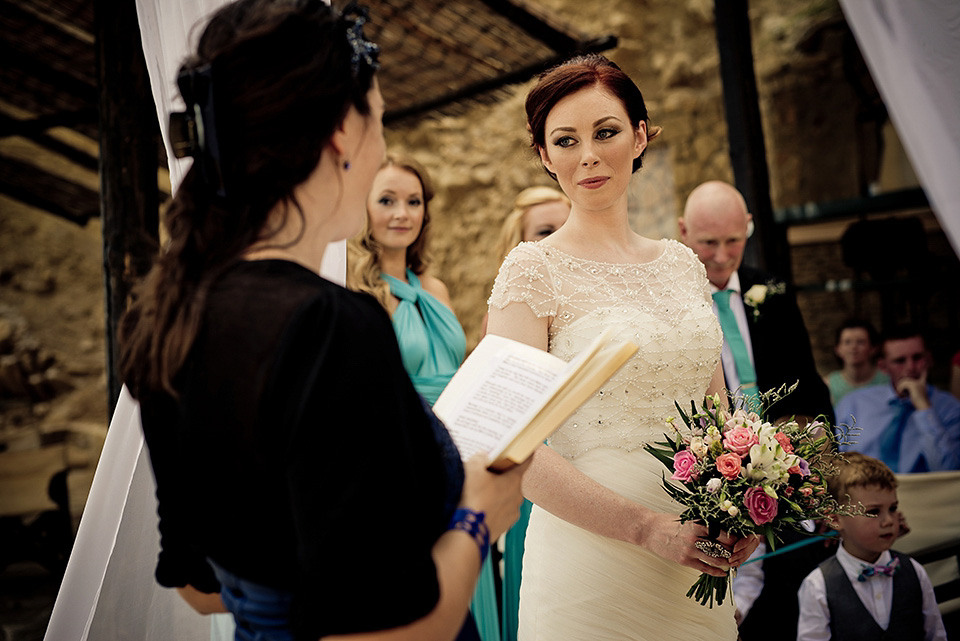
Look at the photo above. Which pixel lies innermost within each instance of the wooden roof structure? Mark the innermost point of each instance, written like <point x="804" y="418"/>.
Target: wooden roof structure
<point x="48" y="85"/>
<point x="437" y="55"/>
<point x="79" y="137"/>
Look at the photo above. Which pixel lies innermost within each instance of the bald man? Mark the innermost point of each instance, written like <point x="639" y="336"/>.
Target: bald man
<point x="715" y="225"/>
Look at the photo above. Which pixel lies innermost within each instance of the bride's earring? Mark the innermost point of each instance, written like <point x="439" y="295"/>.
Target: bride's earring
<point x="346" y="165"/>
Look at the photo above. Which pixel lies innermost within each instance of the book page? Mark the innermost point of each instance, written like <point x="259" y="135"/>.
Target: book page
<point x="573" y="391"/>
<point x="496" y="391"/>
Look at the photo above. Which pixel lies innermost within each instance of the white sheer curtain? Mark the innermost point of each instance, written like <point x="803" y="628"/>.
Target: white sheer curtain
<point x="913" y="52"/>
<point x="108" y="591"/>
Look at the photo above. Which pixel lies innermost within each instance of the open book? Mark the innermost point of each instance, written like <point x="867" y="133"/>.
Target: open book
<point x="507" y="397"/>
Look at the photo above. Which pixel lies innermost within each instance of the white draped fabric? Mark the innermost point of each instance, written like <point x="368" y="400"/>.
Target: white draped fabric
<point x="913" y="52"/>
<point x="108" y="591"/>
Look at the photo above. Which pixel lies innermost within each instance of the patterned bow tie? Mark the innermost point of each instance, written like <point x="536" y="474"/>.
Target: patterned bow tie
<point x="874" y="570"/>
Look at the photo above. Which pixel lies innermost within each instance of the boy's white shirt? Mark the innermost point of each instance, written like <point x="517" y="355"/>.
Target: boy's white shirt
<point x="876" y="594"/>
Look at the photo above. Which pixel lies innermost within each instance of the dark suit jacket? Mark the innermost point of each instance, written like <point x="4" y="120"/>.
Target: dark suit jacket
<point x="777" y="607"/>
<point x="781" y="351"/>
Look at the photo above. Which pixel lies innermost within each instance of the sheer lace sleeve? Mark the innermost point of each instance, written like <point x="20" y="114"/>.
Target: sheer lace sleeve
<point x="701" y="274"/>
<point x="526" y="277"/>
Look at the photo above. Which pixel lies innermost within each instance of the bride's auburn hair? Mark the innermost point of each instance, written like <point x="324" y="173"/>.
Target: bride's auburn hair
<point x="364" y="252"/>
<point x="581" y="72"/>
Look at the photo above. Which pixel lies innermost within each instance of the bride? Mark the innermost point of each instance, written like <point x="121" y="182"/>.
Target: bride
<point x="606" y="557"/>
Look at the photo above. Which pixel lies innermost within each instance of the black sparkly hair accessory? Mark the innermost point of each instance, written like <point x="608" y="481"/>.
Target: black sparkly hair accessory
<point x="193" y="132"/>
<point x="365" y="52"/>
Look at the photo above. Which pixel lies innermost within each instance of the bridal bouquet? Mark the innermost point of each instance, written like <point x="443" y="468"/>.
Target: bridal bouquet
<point x="739" y="473"/>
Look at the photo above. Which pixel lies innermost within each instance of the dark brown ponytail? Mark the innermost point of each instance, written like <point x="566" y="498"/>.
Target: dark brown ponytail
<point x="284" y="73"/>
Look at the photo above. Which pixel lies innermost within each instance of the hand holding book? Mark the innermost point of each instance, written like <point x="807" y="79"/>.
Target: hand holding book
<point x="508" y="397"/>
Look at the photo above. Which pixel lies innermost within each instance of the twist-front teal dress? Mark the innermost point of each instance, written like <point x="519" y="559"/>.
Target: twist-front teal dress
<point x="432" y="345"/>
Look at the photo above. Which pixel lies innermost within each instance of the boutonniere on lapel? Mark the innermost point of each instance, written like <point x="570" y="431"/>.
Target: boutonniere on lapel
<point x="759" y="293"/>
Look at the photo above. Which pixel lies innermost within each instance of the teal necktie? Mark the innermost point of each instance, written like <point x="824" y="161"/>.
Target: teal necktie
<point x="741" y="358"/>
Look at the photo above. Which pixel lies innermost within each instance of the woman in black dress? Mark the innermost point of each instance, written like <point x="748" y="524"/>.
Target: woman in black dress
<point x="302" y="483"/>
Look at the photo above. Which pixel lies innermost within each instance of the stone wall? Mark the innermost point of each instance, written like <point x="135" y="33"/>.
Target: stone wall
<point x="480" y="159"/>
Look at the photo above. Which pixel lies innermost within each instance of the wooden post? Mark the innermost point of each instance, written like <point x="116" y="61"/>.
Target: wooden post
<point x="129" y="152"/>
<point x="768" y="247"/>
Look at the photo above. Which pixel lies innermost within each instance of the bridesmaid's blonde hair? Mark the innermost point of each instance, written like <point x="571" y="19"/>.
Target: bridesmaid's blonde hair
<point x="512" y="231"/>
<point x="363" y="252"/>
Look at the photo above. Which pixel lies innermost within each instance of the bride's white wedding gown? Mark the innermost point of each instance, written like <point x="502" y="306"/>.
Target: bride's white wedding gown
<point x="582" y="586"/>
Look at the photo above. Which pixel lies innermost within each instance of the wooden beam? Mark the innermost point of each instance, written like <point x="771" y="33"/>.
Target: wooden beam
<point x="534" y="25"/>
<point x="35" y="77"/>
<point x="37" y="188"/>
<point x="520" y="75"/>
<point x="30" y="127"/>
<point x="9" y="127"/>
<point x="128" y="166"/>
<point x="767" y="249"/>
<point x="72" y="18"/>
<point x="36" y="33"/>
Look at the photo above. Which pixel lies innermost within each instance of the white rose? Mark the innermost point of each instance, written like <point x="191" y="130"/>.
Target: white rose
<point x="733" y="511"/>
<point x="698" y="447"/>
<point x="757" y="294"/>
<point x="713" y="485"/>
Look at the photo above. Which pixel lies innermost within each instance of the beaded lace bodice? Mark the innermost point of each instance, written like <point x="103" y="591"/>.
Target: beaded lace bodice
<point x="663" y="305"/>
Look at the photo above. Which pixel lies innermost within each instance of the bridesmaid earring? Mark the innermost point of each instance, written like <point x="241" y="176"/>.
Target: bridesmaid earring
<point x="346" y="165"/>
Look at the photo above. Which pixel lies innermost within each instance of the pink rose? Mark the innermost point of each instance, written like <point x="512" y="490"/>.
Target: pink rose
<point x="760" y="506"/>
<point x="806" y="490"/>
<point x="683" y="463"/>
<point x="740" y="440"/>
<point x="784" y="442"/>
<point x="729" y="465"/>
<point x="788" y="490"/>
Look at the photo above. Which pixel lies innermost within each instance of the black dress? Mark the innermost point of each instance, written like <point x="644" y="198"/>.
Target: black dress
<point x="298" y="455"/>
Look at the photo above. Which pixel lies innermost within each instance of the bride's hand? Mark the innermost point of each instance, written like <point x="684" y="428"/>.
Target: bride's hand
<point x="743" y="548"/>
<point x="666" y="537"/>
<point x="740" y="549"/>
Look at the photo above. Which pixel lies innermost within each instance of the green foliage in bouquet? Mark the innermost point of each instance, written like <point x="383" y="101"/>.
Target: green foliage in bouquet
<point x="740" y="473"/>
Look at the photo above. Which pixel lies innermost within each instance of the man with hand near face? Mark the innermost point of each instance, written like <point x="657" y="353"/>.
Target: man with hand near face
<point x="909" y="425"/>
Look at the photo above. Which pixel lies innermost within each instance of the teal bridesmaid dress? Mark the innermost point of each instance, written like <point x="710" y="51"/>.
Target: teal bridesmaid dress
<point x="512" y="566"/>
<point x="433" y="345"/>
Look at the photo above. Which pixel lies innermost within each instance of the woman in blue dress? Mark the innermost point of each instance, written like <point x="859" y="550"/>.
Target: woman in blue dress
<point x="388" y="260"/>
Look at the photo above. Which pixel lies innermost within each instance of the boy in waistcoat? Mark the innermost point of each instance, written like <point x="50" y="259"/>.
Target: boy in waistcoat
<point x="866" y="592"/>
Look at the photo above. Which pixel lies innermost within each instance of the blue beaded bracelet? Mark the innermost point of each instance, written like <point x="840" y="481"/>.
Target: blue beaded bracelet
<point x="472" y="522"/>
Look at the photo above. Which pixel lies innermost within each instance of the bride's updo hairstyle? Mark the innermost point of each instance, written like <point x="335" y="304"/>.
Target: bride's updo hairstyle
<point x="578" y="73"/>
<point x="267" y="87"/>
